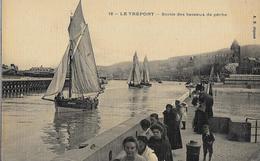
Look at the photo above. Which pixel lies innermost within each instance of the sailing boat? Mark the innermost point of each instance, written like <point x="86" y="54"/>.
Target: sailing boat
<point x="146" y="77"/>
<point x="80" y="64"/>
<point x="218" y="79"/>
<point x="208" y="88"/>
<point x="134" y="79"/>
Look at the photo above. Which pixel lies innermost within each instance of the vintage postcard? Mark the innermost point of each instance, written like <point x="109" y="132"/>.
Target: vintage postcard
<point x="139" y="80"/>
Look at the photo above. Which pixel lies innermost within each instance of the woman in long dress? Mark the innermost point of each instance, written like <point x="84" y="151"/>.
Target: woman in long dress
<point x="171" y="120"/>
<point x="201" y="117"/>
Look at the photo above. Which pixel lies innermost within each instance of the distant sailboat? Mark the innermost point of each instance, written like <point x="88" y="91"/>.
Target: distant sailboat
<point x="146" y="77"/>
<point x="134" y="79"/>
<point x="218" y="79"/>
<point x="208" y="88"/>
<point x="79" y="62"/>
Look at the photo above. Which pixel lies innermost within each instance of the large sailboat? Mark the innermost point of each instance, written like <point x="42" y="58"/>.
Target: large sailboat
<point x="146" y="78"/>
<point x="134" y="79"/>
<point x="79" y="64"/>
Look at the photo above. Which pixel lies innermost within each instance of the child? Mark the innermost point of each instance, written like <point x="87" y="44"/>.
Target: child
<point x="145" y="124"/>
<point x="183" y="114"/>
<point x="207" y="139"/>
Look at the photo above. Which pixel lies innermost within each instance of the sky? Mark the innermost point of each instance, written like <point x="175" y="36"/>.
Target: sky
<point x="35" y="31"/>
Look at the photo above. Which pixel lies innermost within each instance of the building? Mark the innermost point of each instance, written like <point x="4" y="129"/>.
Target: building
<point x="249" y="65"/>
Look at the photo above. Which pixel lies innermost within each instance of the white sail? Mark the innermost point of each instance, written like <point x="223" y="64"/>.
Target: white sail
<point x="207" y="89"/>
<point x="218" y="79"/>
<point x="59" y="77"/>
<point x="211" y="75"/>
<point x="130" y="75"/>
<point x="84" y="71"/>
<point x="135" y="76"/>
<point x="146" y="77"/>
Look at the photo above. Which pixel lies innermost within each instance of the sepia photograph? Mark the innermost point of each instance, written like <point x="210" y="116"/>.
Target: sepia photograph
<point x="130" y="80"/>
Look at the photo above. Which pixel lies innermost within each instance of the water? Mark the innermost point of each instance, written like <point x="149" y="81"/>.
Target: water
<point x="34" y="131"/>
<point x="237" y="103"/>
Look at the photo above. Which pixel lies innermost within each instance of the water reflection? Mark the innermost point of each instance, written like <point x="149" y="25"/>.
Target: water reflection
<point x="69" y="129"/>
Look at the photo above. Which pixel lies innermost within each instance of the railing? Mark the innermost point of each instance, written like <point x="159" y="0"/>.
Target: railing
<point x="256" y="126"/>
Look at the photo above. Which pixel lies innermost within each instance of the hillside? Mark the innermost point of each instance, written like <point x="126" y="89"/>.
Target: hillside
<point x="173" y="67"/>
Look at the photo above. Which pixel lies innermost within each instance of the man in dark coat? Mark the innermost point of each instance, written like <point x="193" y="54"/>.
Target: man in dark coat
<point x="159" y="144"/>
<point x="200" y="118"/>
<point x="208" y="99"/>
<point x="171" y="120"/>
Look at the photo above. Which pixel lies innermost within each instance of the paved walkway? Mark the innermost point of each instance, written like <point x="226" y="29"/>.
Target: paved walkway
<point x="224" y="150"/>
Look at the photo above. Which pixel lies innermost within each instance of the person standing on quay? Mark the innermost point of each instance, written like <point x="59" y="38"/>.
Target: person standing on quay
<point x="144" y="150"/>
<point x="208" y="99"/>
<point x="200" y="118"/>
<point x="208" y="140"/>
<point x="155" y="120"/>
<point x="171" y="120"/>
<point x="145" y="124"/>
<point x="160" y="144"/>
<point x="131" y="148"/>
<point x="183" y="114"/>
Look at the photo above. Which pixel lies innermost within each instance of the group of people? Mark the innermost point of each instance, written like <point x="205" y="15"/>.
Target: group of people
<point x="204" y="103"/>
<point x="157" y="139"/>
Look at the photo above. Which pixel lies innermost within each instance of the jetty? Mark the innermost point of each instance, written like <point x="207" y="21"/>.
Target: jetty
<point x="24" y="86"/>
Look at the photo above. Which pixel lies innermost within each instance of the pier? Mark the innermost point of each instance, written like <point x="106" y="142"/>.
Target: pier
<point x="20" y="87"/>
<point x="232" y="138"/>
<point x="107" y="145"/>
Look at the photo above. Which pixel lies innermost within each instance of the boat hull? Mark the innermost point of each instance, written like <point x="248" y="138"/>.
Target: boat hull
<point x="76" y="104"/>
<point x="146" y="84"/>
<point x="135" y="86"/>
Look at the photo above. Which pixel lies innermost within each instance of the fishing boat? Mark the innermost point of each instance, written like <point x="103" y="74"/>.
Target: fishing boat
<point x="134" y="79"/>
<point x="79" y="62"/>
<point x="146" y="78"/>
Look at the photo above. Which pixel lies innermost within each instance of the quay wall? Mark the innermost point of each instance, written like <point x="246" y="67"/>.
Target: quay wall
<point x="239" y="131"/>
<point x="235" y="131"/>
<point x="249" y="81"/>
<point x="107" y="145"/>
<point x="219" y="124"/>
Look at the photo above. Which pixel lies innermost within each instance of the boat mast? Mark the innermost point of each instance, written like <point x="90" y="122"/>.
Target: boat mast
<point x="70" y="69"/>
<point x="144" y="74"/>
<point x="133" y="72"/>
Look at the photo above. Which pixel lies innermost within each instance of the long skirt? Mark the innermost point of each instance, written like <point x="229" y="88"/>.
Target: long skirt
<point x="174" y="136"/>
